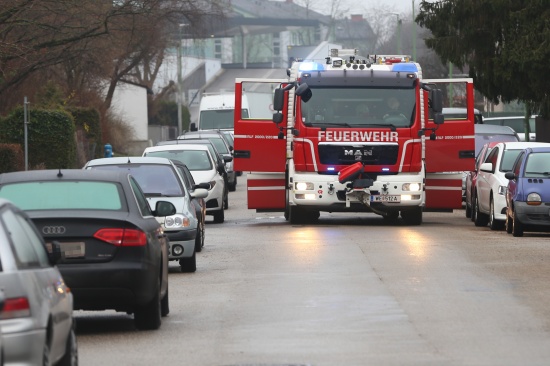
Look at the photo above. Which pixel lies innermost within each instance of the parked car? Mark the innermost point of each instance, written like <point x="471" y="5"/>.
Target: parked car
<point x="458" y="113"/>
<point x="528" y="193"/>
<point x="484" y="134"/>
<point x="491" y="184"/>
<point x="220" y="159"/>
<point x="114" y="251"/>
<point x="33" y="294"/>
<point x="516" y="123"/>
<point x="202" y="166"/>
<point x="222" y="146"/>
<point x="160" y="180"/>
<point x="198" y="202"/>
<point x="472" y="176"/>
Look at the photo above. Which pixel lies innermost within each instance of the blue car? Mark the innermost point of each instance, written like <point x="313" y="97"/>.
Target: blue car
<point x="528" y="193"/>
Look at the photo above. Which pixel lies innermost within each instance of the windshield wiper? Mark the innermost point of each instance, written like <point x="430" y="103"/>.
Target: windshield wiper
<point x="389" y="125"/>
<point x="333" y="124"/>
<point x="538" y="173"/>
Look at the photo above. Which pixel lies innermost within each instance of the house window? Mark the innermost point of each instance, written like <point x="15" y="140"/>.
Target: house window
<point x="218" y="48"/>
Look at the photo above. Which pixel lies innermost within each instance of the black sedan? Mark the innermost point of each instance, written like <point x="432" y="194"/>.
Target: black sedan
<point x="114" y="252"/>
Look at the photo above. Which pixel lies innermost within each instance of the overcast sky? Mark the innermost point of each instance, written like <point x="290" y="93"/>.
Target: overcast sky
<point x="362" y="6"/>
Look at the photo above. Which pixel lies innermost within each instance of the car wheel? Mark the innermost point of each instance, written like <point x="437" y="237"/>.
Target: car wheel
<point x="46" y="352"/>
<point x="517" y="226"/>
<point x="226" y="199"/>
<point x="219" y="216"/>
<point x="70" y="358"/>
<point x="493" y="223"/>
<point x="189" y="264"/>
<point x="199" y="239"/>
<point x="413" y="216"/>
<point x="164" y="304"/>
<point x="472" y="209"/>
<point x="233" y="186"/>
<point x="508" y="224"/>
<point x="147" y="317"/>
<point x="481" y="219"/>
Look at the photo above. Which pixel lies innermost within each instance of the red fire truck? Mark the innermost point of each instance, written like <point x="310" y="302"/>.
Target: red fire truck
<point x="354" y="134"/>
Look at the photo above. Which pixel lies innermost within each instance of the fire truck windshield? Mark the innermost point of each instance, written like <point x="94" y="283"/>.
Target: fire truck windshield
<point x="359" y="107"/>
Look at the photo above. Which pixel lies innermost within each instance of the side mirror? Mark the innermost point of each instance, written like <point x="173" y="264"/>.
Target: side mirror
<point x="227" y="159"/>
<point x="199" y="193"/>
<point x="204" y="185"/>
<point x="439" y="118"/>
<point x="436" y="100"/>
<point x="304" y="91"/>
<point x="193" y="126"/>
<point x="278" y="99"/>
<point x="486" y="167"/>
<point x="510" y="175"/>
<point x="277" y="117"/>
<point x="164" y="208"/>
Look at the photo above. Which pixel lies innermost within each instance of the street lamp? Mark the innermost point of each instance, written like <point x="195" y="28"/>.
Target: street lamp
<point x="179" y="88"/>
<point x="399" y="21"/>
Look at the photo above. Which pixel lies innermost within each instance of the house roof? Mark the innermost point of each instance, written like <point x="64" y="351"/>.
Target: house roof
<point x="261" y="16"/>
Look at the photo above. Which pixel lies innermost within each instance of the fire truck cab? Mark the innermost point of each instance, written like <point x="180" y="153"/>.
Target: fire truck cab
<point x="355" y="134"/>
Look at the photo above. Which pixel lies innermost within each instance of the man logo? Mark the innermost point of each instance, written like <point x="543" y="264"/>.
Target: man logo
<point x="358" y="153"/>
<point x="52" y="230"/>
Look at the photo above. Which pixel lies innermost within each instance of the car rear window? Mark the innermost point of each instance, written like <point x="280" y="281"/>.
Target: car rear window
<point x="194" y="159"/>
<point x="64" y="195"/>
<point x="154" y="179"/>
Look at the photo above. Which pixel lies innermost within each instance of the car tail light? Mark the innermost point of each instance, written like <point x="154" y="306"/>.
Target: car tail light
<point x="16" y="308"/>
<point x="122" y="237"/>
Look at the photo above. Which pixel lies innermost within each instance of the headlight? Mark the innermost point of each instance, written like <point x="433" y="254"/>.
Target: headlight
<point x="502" y="190"/>
<point x="411" y="187"/>
<point x="534" y="199"/>
<point x="303" y="186"/>
<point x="176" y="221"/>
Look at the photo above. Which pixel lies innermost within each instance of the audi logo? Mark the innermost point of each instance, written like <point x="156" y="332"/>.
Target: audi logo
<point x="49" y="230"/>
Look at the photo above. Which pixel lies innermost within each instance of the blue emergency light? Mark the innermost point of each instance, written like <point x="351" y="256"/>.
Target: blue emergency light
<point x="404" y="67"/>
<point x="311" y="66"/>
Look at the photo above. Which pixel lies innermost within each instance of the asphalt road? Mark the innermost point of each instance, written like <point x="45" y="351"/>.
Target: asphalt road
<point x="350" y="290"/>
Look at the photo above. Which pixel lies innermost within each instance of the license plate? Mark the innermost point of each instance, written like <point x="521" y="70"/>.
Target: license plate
<point x="385" y="198"/>
<point x="73" y="249"/>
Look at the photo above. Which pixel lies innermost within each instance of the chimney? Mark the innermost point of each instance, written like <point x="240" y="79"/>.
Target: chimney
<point x="356" y="17"/>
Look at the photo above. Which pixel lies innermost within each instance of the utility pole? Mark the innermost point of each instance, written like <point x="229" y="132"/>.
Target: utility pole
<point x="414" y="34"/>
<point x="26" y="124"/>
<point x="399" y="22"/>
<point x="179" y="88"/>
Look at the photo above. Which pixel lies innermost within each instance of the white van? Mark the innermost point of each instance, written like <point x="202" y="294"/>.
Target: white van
<point x="216" y="111"/>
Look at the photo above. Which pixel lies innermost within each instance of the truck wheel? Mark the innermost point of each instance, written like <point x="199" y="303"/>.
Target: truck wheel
<point x="189" y="264"/>
<point x="295" y="215"/>
<point x="219" y="216"/>
<point x="147" y="317"/>
<point x="412" y="216"/>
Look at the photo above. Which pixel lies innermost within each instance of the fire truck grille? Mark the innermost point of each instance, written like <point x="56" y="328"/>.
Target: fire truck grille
<point x="368" y="154"/>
